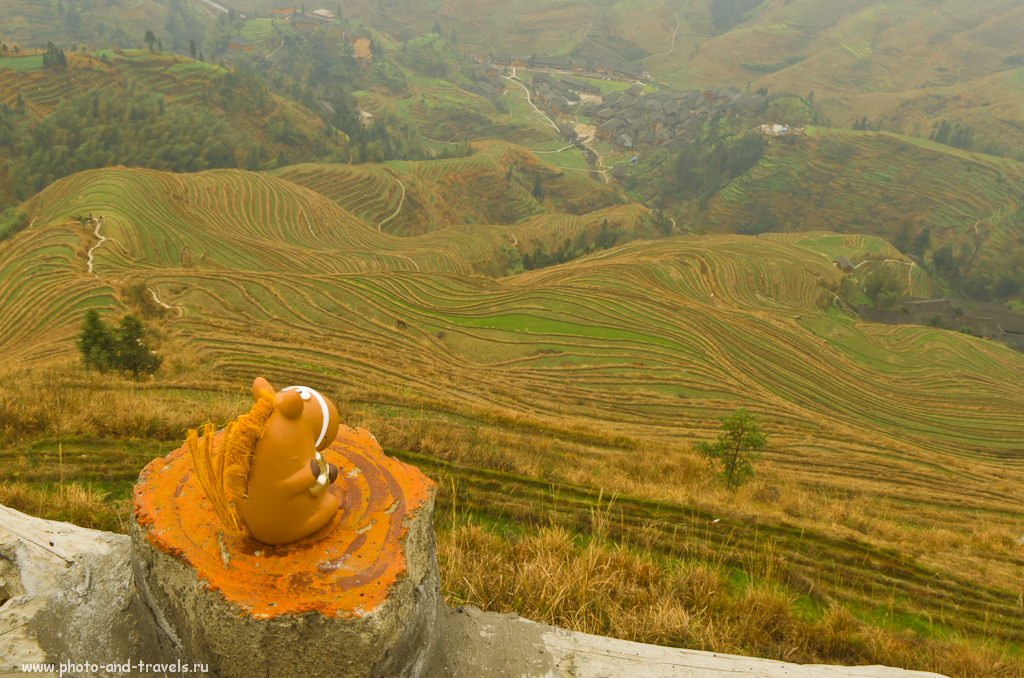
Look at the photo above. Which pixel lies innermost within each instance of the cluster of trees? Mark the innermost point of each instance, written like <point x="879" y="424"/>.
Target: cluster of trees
<point x="656" y="225"/>
<point x="54" y="56"/>
<point x="185" y="26"/>
<point x="957" y="136"/>
<point x="11" y="221"/>
<point x="885" y="286"/>
<point x="703" y="167"/>
<point x="864" y="125"/>
<point x="966" y="267"/>
<point x="121" y="349"/>
<point x="112" y="126"/>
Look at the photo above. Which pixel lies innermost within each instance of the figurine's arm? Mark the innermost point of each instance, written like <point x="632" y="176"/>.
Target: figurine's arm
<point x="299" y="482"/>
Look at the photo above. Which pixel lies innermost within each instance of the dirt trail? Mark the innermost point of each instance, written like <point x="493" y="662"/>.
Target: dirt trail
<point x="672" y="44"/>
<point x="99" y="222"/>
<point x="400" y="203"/>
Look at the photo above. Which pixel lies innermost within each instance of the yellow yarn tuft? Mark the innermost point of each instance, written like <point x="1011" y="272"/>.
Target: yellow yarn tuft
<point x="224" y="480"/>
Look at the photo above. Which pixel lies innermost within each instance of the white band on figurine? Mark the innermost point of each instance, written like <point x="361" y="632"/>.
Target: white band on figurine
<point x="306" y="392"/>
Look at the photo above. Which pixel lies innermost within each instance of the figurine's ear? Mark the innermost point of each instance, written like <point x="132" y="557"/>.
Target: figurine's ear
<point x="259" y="386"/>
<point x="291" y="405"/>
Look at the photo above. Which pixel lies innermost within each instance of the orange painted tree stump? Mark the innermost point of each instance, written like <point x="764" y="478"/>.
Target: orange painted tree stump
<point x="358" y="598"/>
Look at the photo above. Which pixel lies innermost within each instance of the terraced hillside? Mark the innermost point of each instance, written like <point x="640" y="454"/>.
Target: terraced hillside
<point x="179" y="79"/>
<point x="652" y="341"/>
<point x="493" y="186"/>
<point x="868" y="183"/>
<point x="908" y="65"/>
<point x="31" y="22"/>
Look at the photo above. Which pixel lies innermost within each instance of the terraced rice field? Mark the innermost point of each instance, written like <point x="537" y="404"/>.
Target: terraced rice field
<point x="876" y="179"/>
<point x="493" y="186"/>
<point x="258" y="30"/>
<point x="652" y="340"/>
<point x="43" y="90"/>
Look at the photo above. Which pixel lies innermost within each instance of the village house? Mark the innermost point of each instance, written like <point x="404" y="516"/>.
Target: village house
<point x="665" y="120"/>
<point x="282" y="11"/>
<point x="309" y="22"/>
<point x="608" y="129"/>
<point x="518" y="60"/>
<point x="241" y="45"/>
<point x="581" y="66"/>
<point x="324" y="14"/>
<point x="554" y="103"/>
<point x="844" y="264"/>
<point x="580" y="85"/>
<point x="619" y="172"/>
<point x="551" y="63"/>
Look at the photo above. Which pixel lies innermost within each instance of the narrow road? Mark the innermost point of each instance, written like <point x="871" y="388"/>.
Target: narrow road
<point x="542" y="114"/>
<point x="99" y="222"/>
<point x="400" y="203"/>
<point x="672" y="45"/>
<point x="157" y="299"/>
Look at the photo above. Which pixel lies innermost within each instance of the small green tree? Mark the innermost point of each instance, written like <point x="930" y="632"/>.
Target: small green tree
<point x="95" y="342"/>
<point x="149" y="39"/>
<point x="738" y="445"/>
<point x="132" y="353"/>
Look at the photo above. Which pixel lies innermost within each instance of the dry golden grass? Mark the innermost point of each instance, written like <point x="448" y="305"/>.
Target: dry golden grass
<point x="73" y="503"/>
<point x="602" y="588"/>
<point x="62" y="400"/>
<point x="594" y="583"/>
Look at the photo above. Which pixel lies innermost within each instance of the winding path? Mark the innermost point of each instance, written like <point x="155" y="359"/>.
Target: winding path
<point x="528" y="99"/>
<point x="157" y="299"/>
<point x="672" y="44"/>
<point x="99" y="222"/>
<point x="400" y="203"/>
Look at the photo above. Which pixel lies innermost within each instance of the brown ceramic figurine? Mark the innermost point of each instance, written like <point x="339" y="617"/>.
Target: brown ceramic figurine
<point x="269" y="480"/>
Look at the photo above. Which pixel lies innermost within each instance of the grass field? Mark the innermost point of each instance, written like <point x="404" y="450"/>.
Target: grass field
<point x="887" y="492"/>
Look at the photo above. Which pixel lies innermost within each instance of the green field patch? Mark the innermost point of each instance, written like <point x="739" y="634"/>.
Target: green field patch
<point x="22" y="63"/>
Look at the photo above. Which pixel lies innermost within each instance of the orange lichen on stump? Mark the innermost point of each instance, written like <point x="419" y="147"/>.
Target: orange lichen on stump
<point x="345" y="569"/>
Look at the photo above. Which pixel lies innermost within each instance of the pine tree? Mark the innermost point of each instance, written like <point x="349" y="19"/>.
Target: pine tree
<point x="192" y="47"/>
<point x="95" y="342"/>
<point x="160" y="44"/>
<point x="131" y="352"/>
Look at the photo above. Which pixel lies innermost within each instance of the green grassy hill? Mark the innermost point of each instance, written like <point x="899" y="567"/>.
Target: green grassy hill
<point x="875" y="183"/>
<point x="889" y="484"/>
